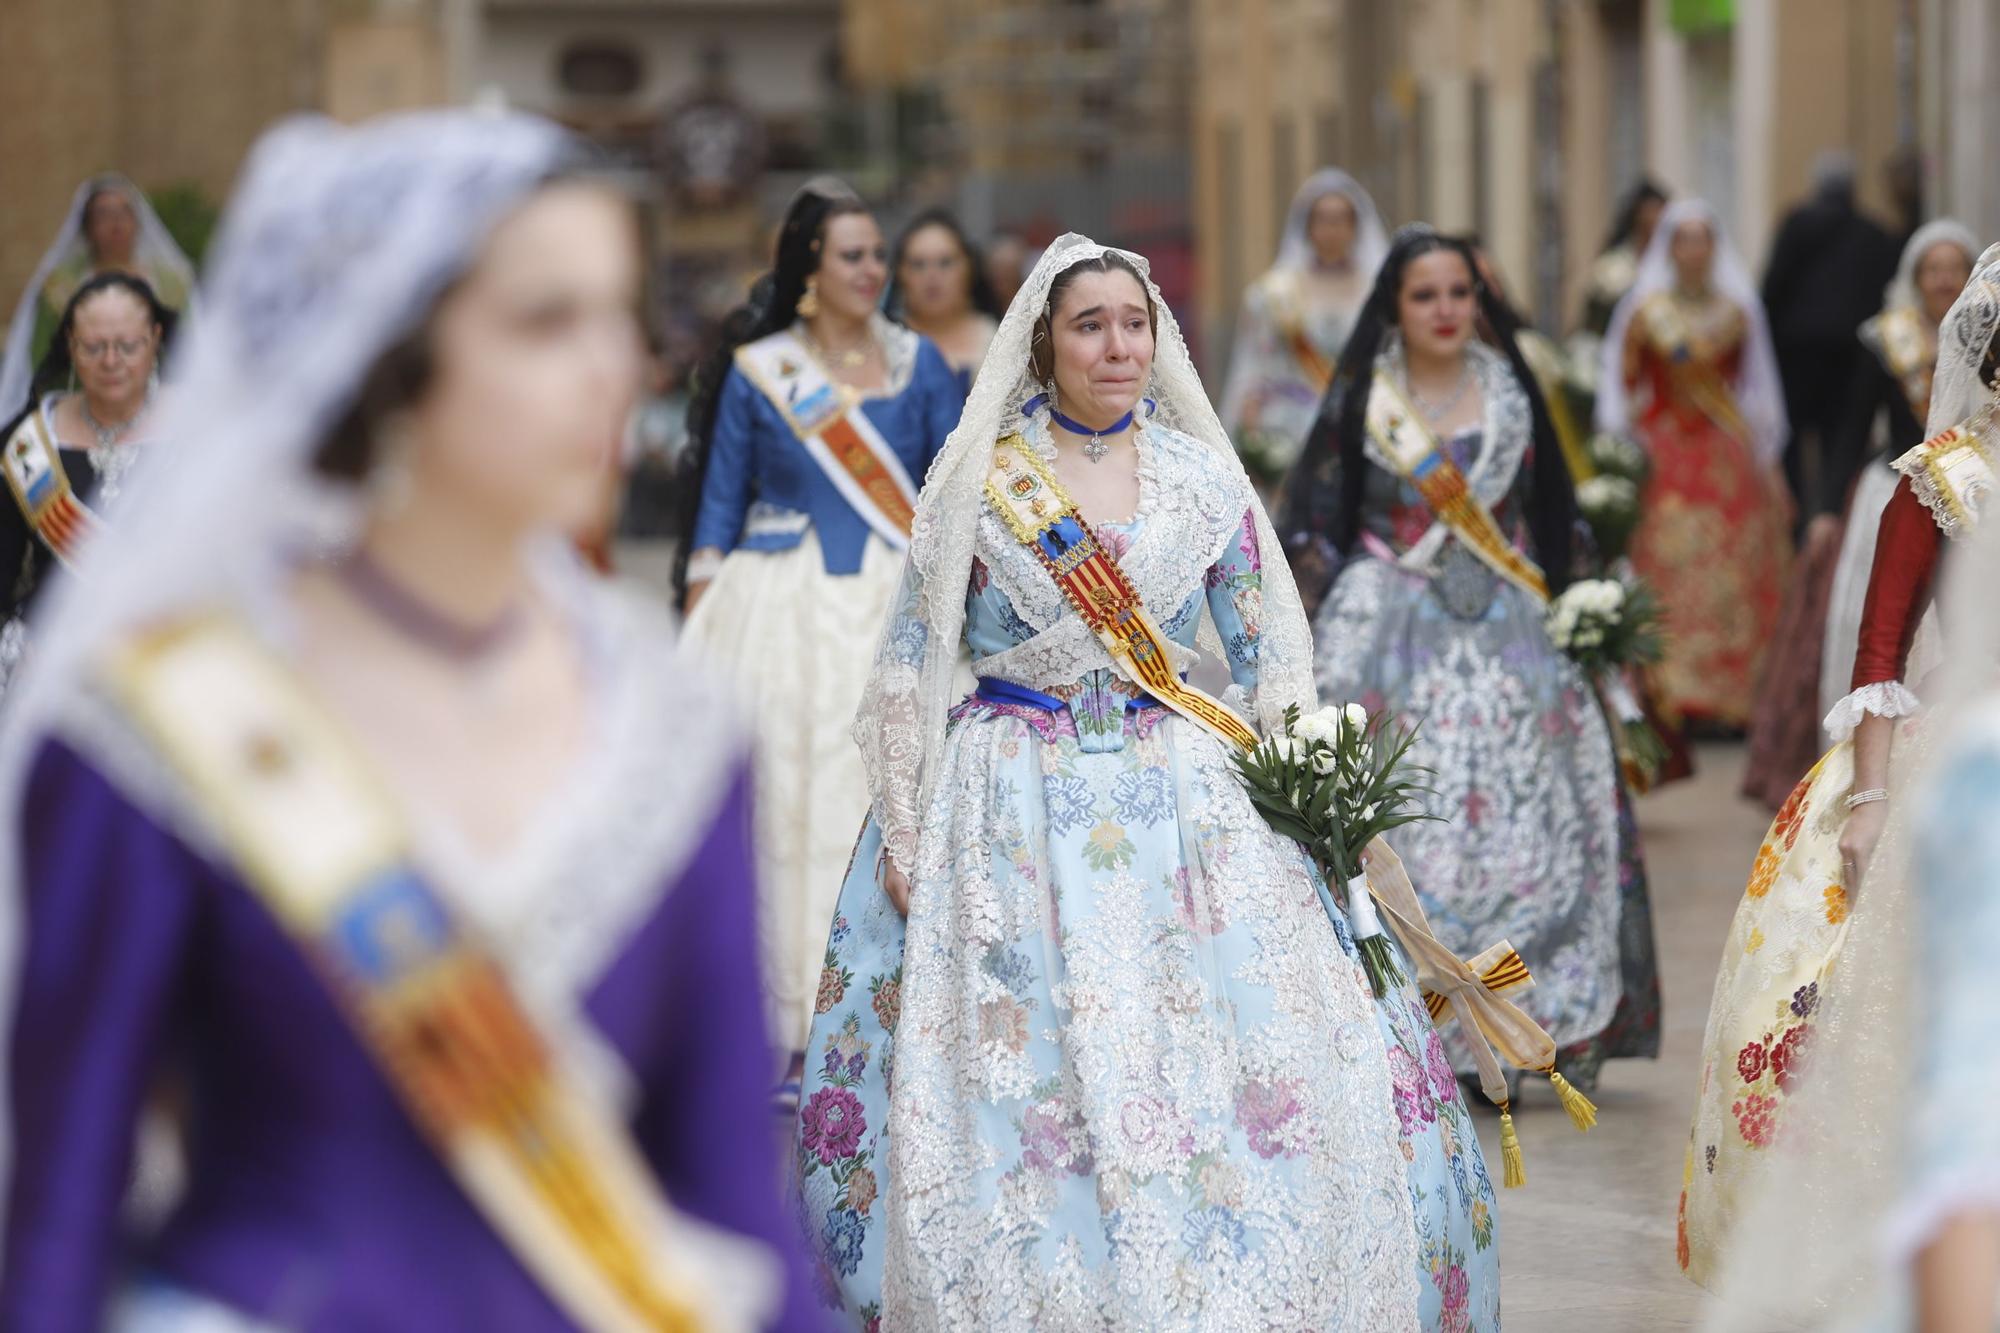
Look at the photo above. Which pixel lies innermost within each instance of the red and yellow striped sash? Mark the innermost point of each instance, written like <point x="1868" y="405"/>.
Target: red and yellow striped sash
<point x="1042" y="517"/>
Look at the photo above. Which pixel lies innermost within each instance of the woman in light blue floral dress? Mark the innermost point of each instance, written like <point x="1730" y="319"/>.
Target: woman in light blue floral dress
<point x="1120" y="1068"/>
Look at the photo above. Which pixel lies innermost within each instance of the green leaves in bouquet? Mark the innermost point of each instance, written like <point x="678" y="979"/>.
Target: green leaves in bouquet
<point x="1378" y="776"/>
<point x="1641" y="633"/>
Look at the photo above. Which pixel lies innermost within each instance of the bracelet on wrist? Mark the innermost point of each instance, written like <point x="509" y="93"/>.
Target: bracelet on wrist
<point x="1869" y="797"/>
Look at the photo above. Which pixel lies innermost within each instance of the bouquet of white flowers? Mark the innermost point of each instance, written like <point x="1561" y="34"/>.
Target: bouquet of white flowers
<point x="1609" y="500"/>
<point x="1335" y="780"/>
<point x="1607" y="628"/>
<point x="1618" y="456"/>
<point x="1610" y="505"/>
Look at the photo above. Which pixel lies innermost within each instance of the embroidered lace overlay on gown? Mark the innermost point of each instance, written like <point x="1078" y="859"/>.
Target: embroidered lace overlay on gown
<point x="1137" y="1079"/>
<point x="1525" y="771"/>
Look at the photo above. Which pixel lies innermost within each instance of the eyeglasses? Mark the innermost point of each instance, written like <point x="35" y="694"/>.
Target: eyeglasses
<point x="122" y="349"/>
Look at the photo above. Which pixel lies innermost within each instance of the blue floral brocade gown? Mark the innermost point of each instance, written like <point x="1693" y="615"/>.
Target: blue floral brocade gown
<point x="1140" y="1082"/>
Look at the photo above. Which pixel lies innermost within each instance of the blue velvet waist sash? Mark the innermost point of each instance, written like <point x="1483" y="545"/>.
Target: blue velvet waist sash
<point x="1100" y="721"/>
<point x="997" y="691"/>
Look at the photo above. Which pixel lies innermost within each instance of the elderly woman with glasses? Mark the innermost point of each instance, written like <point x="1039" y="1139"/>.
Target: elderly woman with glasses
<point x="67" y="451"/>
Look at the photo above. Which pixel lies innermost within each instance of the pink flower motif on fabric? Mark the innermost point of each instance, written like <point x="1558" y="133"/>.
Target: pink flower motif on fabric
<point x="1267" y="1112"/>
<point x="1437" y="1062"/>
<point x="1409" y="1086"/>
<point x="1054" y="1143"/>
<point x="1455" y="1312"/>
<point x="831" y="1125"/>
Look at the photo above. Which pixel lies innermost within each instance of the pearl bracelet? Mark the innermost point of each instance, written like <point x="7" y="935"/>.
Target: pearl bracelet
<point x="1868" y="797"/>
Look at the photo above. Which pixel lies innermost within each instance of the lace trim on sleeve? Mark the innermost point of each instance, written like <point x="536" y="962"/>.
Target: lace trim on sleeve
<point x="891" y="725"/>
<point x="1885" y="698"/>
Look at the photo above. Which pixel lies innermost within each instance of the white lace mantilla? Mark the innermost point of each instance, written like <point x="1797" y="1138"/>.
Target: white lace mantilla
<point x="592" y="863"/>
<point x="901" y="726"/>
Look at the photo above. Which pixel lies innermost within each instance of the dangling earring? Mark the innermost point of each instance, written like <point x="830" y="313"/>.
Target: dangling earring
<point x="808" y="306"/>
<point x="390" y="481"/>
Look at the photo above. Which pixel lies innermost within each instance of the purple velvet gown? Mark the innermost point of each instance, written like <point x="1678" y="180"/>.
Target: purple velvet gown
<point x="311" y="1201"/>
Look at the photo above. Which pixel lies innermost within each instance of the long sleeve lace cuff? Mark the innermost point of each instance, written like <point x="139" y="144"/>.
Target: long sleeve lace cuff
<point x="1885" y="698"/>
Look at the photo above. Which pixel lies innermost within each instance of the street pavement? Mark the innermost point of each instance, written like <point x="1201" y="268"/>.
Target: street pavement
<point x="1587" y="1246"/>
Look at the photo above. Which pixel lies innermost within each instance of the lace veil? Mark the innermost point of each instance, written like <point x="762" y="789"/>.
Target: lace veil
<point x="1967" y="331"/>
<point x="1760" y="395"/>
<point x="901" y="726"/>
<point x="153" y="252"/>
<point x="1371" y="238"/>
<point x="1821" y="1215"/>
<point x="335" y="244"/>
<point x="1295" y="255"/>
<point x="1902" y="293"/>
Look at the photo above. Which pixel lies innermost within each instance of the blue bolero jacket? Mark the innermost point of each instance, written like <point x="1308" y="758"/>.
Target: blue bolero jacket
<point x="762" y="490"/>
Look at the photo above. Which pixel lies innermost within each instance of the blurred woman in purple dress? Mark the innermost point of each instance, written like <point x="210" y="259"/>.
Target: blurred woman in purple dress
<point x="341" y="792"/>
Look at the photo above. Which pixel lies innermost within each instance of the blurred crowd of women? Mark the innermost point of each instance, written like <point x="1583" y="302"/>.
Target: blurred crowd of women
<point x="404" y="926"/>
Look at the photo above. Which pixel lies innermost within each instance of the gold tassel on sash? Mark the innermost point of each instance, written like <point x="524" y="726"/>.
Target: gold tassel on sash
<point x="1582" y="1111"/>
<point x="1474" y="993"/>
<point x="1514" y="1170"/>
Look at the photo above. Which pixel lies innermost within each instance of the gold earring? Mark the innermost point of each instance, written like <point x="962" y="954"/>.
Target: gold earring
<point x="808" y="306"/>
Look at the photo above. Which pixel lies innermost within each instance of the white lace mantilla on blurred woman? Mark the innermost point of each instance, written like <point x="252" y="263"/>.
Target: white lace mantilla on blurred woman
<point x="1296" y="319"/>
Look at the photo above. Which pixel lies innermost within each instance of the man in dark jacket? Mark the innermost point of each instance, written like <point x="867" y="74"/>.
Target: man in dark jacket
<point x="1828" y="267"/>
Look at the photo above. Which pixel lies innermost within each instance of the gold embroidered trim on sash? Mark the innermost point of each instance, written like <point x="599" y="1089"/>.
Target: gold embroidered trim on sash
<point x="1419" y="459"/>
<point x="1545" y="360"/>
<point x="326" y="850"/>
<point x="1693" y="366"/>
<point x="827" y="419"/>
<point x="1026" y="494"/>
<point x="1897" y="339"/>
<point x="41" y="488"/>
<point x="1952" y="473"/>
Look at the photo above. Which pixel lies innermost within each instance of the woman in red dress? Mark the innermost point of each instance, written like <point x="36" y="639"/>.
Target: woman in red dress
<point x="1691" y="375"/>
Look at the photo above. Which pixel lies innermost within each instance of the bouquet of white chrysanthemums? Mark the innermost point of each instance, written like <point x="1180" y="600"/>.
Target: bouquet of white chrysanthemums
<point x="1607" y="628"/>
<point x="1335" y="780"/>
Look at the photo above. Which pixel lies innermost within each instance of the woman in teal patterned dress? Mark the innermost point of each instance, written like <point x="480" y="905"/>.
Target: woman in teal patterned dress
<point x="1119" y="1068"/>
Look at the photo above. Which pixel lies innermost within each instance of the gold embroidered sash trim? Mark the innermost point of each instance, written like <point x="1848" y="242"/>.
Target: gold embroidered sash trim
<point x="1952" y="473"/>
<point x="1026" y="494"/>
<point x="828" y="420"/>
<point x="1897" y="338"/>
<point x="41" y="488"/>
<point x="1419" y="459"/>
<point x="1545" y="360"/>
<point x="1693" y="367"/>
<point x="325" y="849"/>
